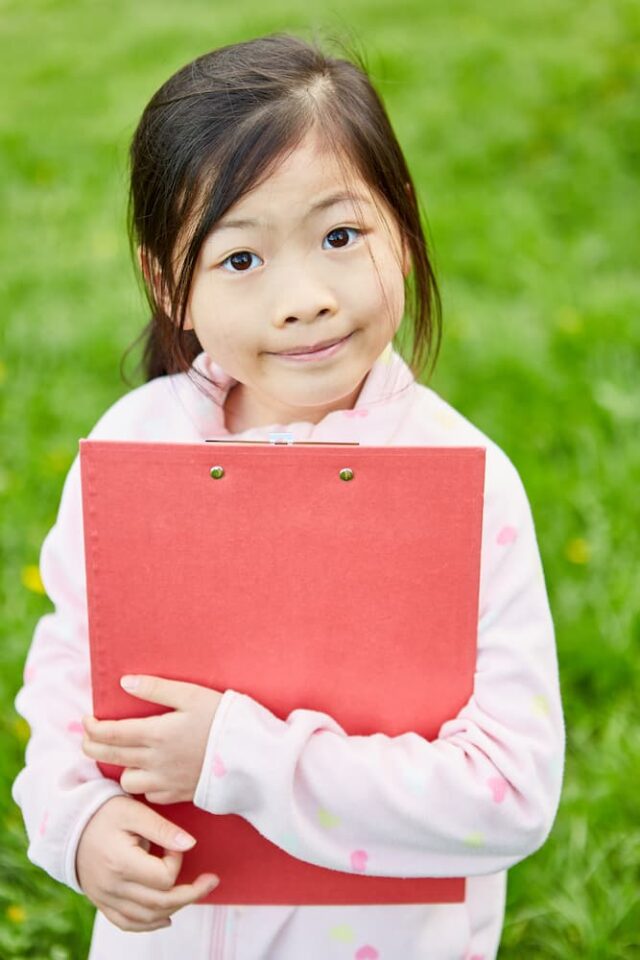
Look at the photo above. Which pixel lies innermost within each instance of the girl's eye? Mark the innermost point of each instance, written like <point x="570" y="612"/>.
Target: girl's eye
<point x="340" y="236"/>
<point x="241" y="261"/>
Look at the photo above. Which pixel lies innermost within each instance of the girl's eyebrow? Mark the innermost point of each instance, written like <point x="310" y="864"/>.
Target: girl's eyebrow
<point x="323" y="204"/>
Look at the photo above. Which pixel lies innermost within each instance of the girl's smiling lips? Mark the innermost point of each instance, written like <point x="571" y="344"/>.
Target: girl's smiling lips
<point x="315" y="354"/>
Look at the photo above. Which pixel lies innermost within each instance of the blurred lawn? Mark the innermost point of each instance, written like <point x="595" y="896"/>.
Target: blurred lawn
<point x="520" y="124"/>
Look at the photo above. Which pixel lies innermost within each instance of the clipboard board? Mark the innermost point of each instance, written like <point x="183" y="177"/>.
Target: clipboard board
<point x="326" y="576"/>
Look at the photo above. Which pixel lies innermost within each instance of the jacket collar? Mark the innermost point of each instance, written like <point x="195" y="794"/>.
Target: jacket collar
<point x="382" y="404"/>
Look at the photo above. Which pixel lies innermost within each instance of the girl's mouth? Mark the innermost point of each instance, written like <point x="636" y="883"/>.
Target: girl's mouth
<point x="315" y="355"/>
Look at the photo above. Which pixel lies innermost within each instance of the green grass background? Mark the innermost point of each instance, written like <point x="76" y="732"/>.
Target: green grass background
<point x="520" y="124"/>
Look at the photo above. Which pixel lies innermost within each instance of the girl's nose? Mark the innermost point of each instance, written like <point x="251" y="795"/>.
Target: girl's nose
<point x="301" y="315"/>
<point x="304" y="301"/>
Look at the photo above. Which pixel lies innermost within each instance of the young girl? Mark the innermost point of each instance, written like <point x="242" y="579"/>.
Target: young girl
<point x="277" y="229"/>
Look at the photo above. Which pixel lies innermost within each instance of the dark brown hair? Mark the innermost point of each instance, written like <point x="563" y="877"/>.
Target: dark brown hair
<point x="214" y="130"/>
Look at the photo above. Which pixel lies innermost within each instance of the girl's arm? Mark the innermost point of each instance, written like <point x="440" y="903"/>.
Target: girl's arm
<point x="476" y="800"/>
<point x="59" y="788"/>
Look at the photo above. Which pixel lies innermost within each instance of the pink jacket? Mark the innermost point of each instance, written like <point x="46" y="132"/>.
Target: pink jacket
<point x="476" y="800"/>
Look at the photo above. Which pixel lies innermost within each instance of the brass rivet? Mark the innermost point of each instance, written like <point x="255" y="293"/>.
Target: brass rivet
<point x="346" y="473"/>
<point x="217" y="472"/>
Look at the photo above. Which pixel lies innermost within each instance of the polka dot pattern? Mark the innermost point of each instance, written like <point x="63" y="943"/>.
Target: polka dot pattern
<point x="474" y="840"/>
<point x="343" y="933"/>
<point x="541" y="705"/>
<point x="498" y="787"/>
<point x="359" y="860"/>
<point x="327" y="819"/>
<point x="217" y="767"/>
<point x="507" y="535"/>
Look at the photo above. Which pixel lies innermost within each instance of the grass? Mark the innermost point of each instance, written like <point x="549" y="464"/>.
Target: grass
<point x="520" y="125"/>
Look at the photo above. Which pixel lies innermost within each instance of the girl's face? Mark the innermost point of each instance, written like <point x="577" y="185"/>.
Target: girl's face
<point x="297" y="271"/>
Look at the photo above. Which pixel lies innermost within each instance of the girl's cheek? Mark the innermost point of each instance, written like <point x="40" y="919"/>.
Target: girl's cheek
<point x="386" y="289"/>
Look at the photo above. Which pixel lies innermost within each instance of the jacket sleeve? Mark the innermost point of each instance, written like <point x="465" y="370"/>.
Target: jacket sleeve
<point x="480" y="797"/>
<point x="59" y="788"/>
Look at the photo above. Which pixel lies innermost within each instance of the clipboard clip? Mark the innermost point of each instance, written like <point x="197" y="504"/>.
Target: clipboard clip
<point x="285" y="438"/>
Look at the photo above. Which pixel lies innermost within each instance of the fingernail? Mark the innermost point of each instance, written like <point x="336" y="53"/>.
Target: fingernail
<point x="213" y="883"/>
<point x="129" y="683"/>
<point x="183" y="841"/>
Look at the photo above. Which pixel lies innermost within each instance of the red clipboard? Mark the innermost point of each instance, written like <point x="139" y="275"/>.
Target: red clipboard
<point x="282" y="576"/>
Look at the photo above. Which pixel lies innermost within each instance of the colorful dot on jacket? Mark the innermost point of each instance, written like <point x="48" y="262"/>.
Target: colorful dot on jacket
<point x="328" y="819"/>
<point x="359" y="860"/>
<point x="217" y="767"/>
<point x="366" y="953"/>
<point x="556" y="767"/>
<point x="446" y="419"/>
<point x="541" y="705"/>
<point x="290" y="842"/>
<point x="506" y="535"/>
<point x="498" y="787"/>
<point x="474" y="840"/>
<point x="343" y="932"/>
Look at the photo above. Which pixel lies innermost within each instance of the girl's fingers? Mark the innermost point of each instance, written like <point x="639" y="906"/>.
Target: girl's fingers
<point x="157" y="876"/>
<point x="149" y="870"/>
<point x="125" y="922"/>
<point x="147" y="905"/>
<point x="120" y="756"/>
<point x="141" y="821"/>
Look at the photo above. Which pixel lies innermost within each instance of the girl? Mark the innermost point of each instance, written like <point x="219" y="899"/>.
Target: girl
<point x="277" y="229"/>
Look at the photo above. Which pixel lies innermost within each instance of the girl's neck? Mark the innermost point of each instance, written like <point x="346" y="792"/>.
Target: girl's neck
<point x="240" y="413"/>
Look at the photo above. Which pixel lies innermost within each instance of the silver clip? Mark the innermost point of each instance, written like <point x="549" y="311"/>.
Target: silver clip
<point x="283" y="437"/>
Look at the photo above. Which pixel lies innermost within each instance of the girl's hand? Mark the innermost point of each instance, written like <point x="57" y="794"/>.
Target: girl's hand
<point x="131" y="887"/>
<point x="163" y="754"/>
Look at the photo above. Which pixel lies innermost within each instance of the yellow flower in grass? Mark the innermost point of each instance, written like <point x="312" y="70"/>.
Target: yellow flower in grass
<point x="16" y="913"/>
<point x="578" y="551"/>
<point x="21" y="729"/>
<point x="31" y="578"/>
